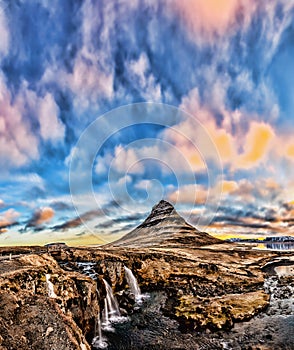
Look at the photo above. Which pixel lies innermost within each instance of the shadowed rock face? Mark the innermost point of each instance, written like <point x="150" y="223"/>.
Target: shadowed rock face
<point x="165" y="227"/>
<point x="31" y="319"/>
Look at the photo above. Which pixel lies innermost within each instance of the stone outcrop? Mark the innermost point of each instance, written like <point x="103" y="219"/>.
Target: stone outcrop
<point x="220" y="312"/>
<point x="30" y="319"/>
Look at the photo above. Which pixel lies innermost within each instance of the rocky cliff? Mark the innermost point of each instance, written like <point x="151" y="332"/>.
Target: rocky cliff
<point x="32" y="319"/>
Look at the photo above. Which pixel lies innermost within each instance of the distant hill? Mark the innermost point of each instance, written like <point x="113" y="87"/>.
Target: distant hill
<point x="164" y="227"/>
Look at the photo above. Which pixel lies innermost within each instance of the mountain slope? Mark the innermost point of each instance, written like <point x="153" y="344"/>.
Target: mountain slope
<point x="164" y="227"/>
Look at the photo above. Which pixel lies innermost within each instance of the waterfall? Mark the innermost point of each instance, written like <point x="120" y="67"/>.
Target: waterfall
<point x="98" y="341"/>
<point x="133" y="284"/>
<point x="51" y="293"/>
<point x="111" y="314"/>
<point x="106" y="311"/>
<point x="112" y="308"/>
<point x="106" y="324"/>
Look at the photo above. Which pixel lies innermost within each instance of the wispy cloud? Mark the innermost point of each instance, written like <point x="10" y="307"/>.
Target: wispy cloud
<point x="79" y="220"/>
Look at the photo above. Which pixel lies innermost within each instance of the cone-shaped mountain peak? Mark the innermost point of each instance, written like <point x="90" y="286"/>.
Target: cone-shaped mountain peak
<point x="163" y="205"/>
<point x="164" y="227"/>
<point x="161" y="211"/>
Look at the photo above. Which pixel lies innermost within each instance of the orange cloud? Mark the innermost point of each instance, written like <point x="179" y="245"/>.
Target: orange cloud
<point x="242" y="189"/>
<point x="46" y="214"/>
<point x="207" y="15"/>
<point x="8" y="218"/>
<point x="212" y="140"/>
<point x="190" y="194"/>
<point x="229" y="186"/>
<point x="41" y="216"/>
<point x="290" y="151"/>
<point x="223" y="141"/>
<point x="257" y="143"/>
<point x="271" y="184"/>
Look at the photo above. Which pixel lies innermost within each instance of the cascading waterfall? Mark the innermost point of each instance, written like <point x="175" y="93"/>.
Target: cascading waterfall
<point x="111" y="314"/>
<point x="98" y="341"/>
<point x="106" y="324"/>
<point x="51" y="293"/>
<point x="133" y="284"/>
<point x="111" y="310"/>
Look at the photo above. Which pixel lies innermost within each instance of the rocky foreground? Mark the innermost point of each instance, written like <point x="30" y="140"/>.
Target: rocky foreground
<point x="215" y="296"/>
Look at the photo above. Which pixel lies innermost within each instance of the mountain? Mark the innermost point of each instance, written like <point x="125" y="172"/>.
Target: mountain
<point x="164" y="227"/>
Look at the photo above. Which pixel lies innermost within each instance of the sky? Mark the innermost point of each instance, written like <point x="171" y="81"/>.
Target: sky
<point x="106" y="107"/>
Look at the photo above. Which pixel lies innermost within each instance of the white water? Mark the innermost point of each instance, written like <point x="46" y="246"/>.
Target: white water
<point x="111" y="308"/>
<point x="106" y="324"/>
<point x="99" y="342"/>
<point x="51" y="293"/>
<point x="133" y="285"/>
<point x="88" y="269"/>
<point x="111" y="314"/>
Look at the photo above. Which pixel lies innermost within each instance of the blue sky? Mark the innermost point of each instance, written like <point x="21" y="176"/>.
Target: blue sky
<point x="226" y="160"/>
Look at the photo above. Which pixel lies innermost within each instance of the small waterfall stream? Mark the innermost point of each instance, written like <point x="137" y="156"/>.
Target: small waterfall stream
<point x="112" y="304"/>
<point x="133" y="285"/>
<point x="51" y="293"/>
<point x="98" y="341"/>
<point x="111" y="314"/>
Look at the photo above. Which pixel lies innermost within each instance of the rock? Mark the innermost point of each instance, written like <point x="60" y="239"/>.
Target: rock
<point x="48" y="331"/>
<point x="24" y="293"/>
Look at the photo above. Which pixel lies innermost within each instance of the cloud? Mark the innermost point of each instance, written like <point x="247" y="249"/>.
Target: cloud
<point x="127" y="161"/>
<point x="252" y="219"/>
<point x="257" y="145"/>
<point x="79" y="220"/>
<point x="143" y="80"/>
<point x="51" y="128"/>
<point x="8" y="218"/>
<point x="18" y="144"/>
<point x="189" y="194"/>
<point x="210" y="17"/>
<point x="237" y="149"/>
<point x="241" y="190"/>
<point x="220" y="136"/>
<point x="126" y="221"/>
<point x="5" y="35"/>
<point x="60" y="205"/>
<point x="249" y="191"/>
<point x="40" y="217"/>
<point x="229" y="186"/>
<point x="290" y="151"/>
